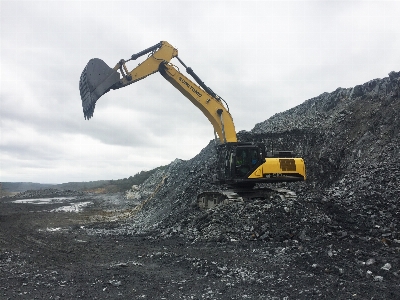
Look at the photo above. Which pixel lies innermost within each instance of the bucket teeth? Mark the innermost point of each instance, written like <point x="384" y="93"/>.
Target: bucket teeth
<point x="88" y="104"/>
<point x="96" y="79"/>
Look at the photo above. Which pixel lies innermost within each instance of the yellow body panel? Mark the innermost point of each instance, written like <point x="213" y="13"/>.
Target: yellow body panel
<point x="198" y="96"/>
<point x="150" y="66"/>
<point x="205" y="102"/>
<point x="280" y="166"/>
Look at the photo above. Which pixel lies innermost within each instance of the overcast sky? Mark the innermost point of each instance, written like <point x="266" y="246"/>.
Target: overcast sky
<point x="262" y="57"/>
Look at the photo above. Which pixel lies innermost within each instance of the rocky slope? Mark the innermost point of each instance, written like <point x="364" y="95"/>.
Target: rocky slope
<point x="344" y="226"/>
<point x="350" y="141"/>
<point x="340" y="239"/>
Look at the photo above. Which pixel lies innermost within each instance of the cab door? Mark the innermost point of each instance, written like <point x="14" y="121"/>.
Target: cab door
<point x="247" y="159"/>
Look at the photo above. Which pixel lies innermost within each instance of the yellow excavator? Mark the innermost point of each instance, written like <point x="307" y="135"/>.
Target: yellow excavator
<point x="240" y="166"/>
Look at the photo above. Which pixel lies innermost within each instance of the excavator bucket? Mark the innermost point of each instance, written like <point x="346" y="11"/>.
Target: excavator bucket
<point x="96" y="79"/>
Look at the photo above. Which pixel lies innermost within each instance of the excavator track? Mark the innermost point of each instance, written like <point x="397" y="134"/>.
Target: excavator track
<point x="210" y="199"/>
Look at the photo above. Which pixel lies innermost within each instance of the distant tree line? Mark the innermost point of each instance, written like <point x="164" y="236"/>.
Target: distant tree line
<point x="137" y="179"/>
<point x="119" y="185"/>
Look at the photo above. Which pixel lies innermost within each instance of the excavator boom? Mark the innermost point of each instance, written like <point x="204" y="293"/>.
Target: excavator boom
<point x="212" y="108"/>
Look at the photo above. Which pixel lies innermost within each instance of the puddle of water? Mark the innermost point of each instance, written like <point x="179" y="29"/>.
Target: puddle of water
<point x="53" y="229"/>
<point x="73" y="207"/>
<point x="44" y="200"/>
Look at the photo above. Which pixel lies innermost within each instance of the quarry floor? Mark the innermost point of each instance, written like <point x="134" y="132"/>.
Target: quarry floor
<point x="52" y="253"/>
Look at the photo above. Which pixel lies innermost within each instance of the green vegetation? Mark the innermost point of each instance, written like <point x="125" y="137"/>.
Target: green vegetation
<point x="102" y="186"/>
<point x="121" y="185"/>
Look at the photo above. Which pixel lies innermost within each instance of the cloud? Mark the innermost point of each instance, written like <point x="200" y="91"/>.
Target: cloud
<point x="262" y="57"/>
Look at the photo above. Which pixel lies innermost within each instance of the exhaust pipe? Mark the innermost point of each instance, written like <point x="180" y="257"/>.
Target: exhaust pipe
<point x="97" y="78"/>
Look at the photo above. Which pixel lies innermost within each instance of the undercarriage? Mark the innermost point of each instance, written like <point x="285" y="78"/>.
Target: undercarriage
<point x="210" y="199"/>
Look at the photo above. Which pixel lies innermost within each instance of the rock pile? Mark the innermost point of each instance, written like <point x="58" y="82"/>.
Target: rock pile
<point x="350" y="141"/>
<point x="330" y="109"/>
<point x="339" y="239"/>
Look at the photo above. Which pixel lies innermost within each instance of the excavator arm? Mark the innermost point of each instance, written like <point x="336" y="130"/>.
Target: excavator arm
<point x="97" y="79"/>
<point x="211" y="107"/>
<point x="240" y="164"/>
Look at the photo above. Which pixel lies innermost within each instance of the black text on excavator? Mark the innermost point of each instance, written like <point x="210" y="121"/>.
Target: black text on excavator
<point x="240" y="165"/>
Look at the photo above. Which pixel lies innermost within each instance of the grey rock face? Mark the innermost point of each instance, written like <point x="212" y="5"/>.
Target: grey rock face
<point x="350" y="141"/>
<point x="338" y="239"/>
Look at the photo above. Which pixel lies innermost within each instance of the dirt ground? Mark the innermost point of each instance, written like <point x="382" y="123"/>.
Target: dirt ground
<point x="47" y="254"/>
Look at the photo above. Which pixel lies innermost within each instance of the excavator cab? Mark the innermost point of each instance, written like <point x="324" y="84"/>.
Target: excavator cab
<point x="237" y="161"/>
<point x="247" y="159"/>
<point x="245" y="164"/>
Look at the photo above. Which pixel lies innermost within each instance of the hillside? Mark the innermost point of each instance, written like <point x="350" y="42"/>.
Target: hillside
<point x="98" y="186"/>
<point x="345" y="223"/>
<point x="350" y="141"/>
<point x="339" y="239"/>
<point x="14" y="187"/>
